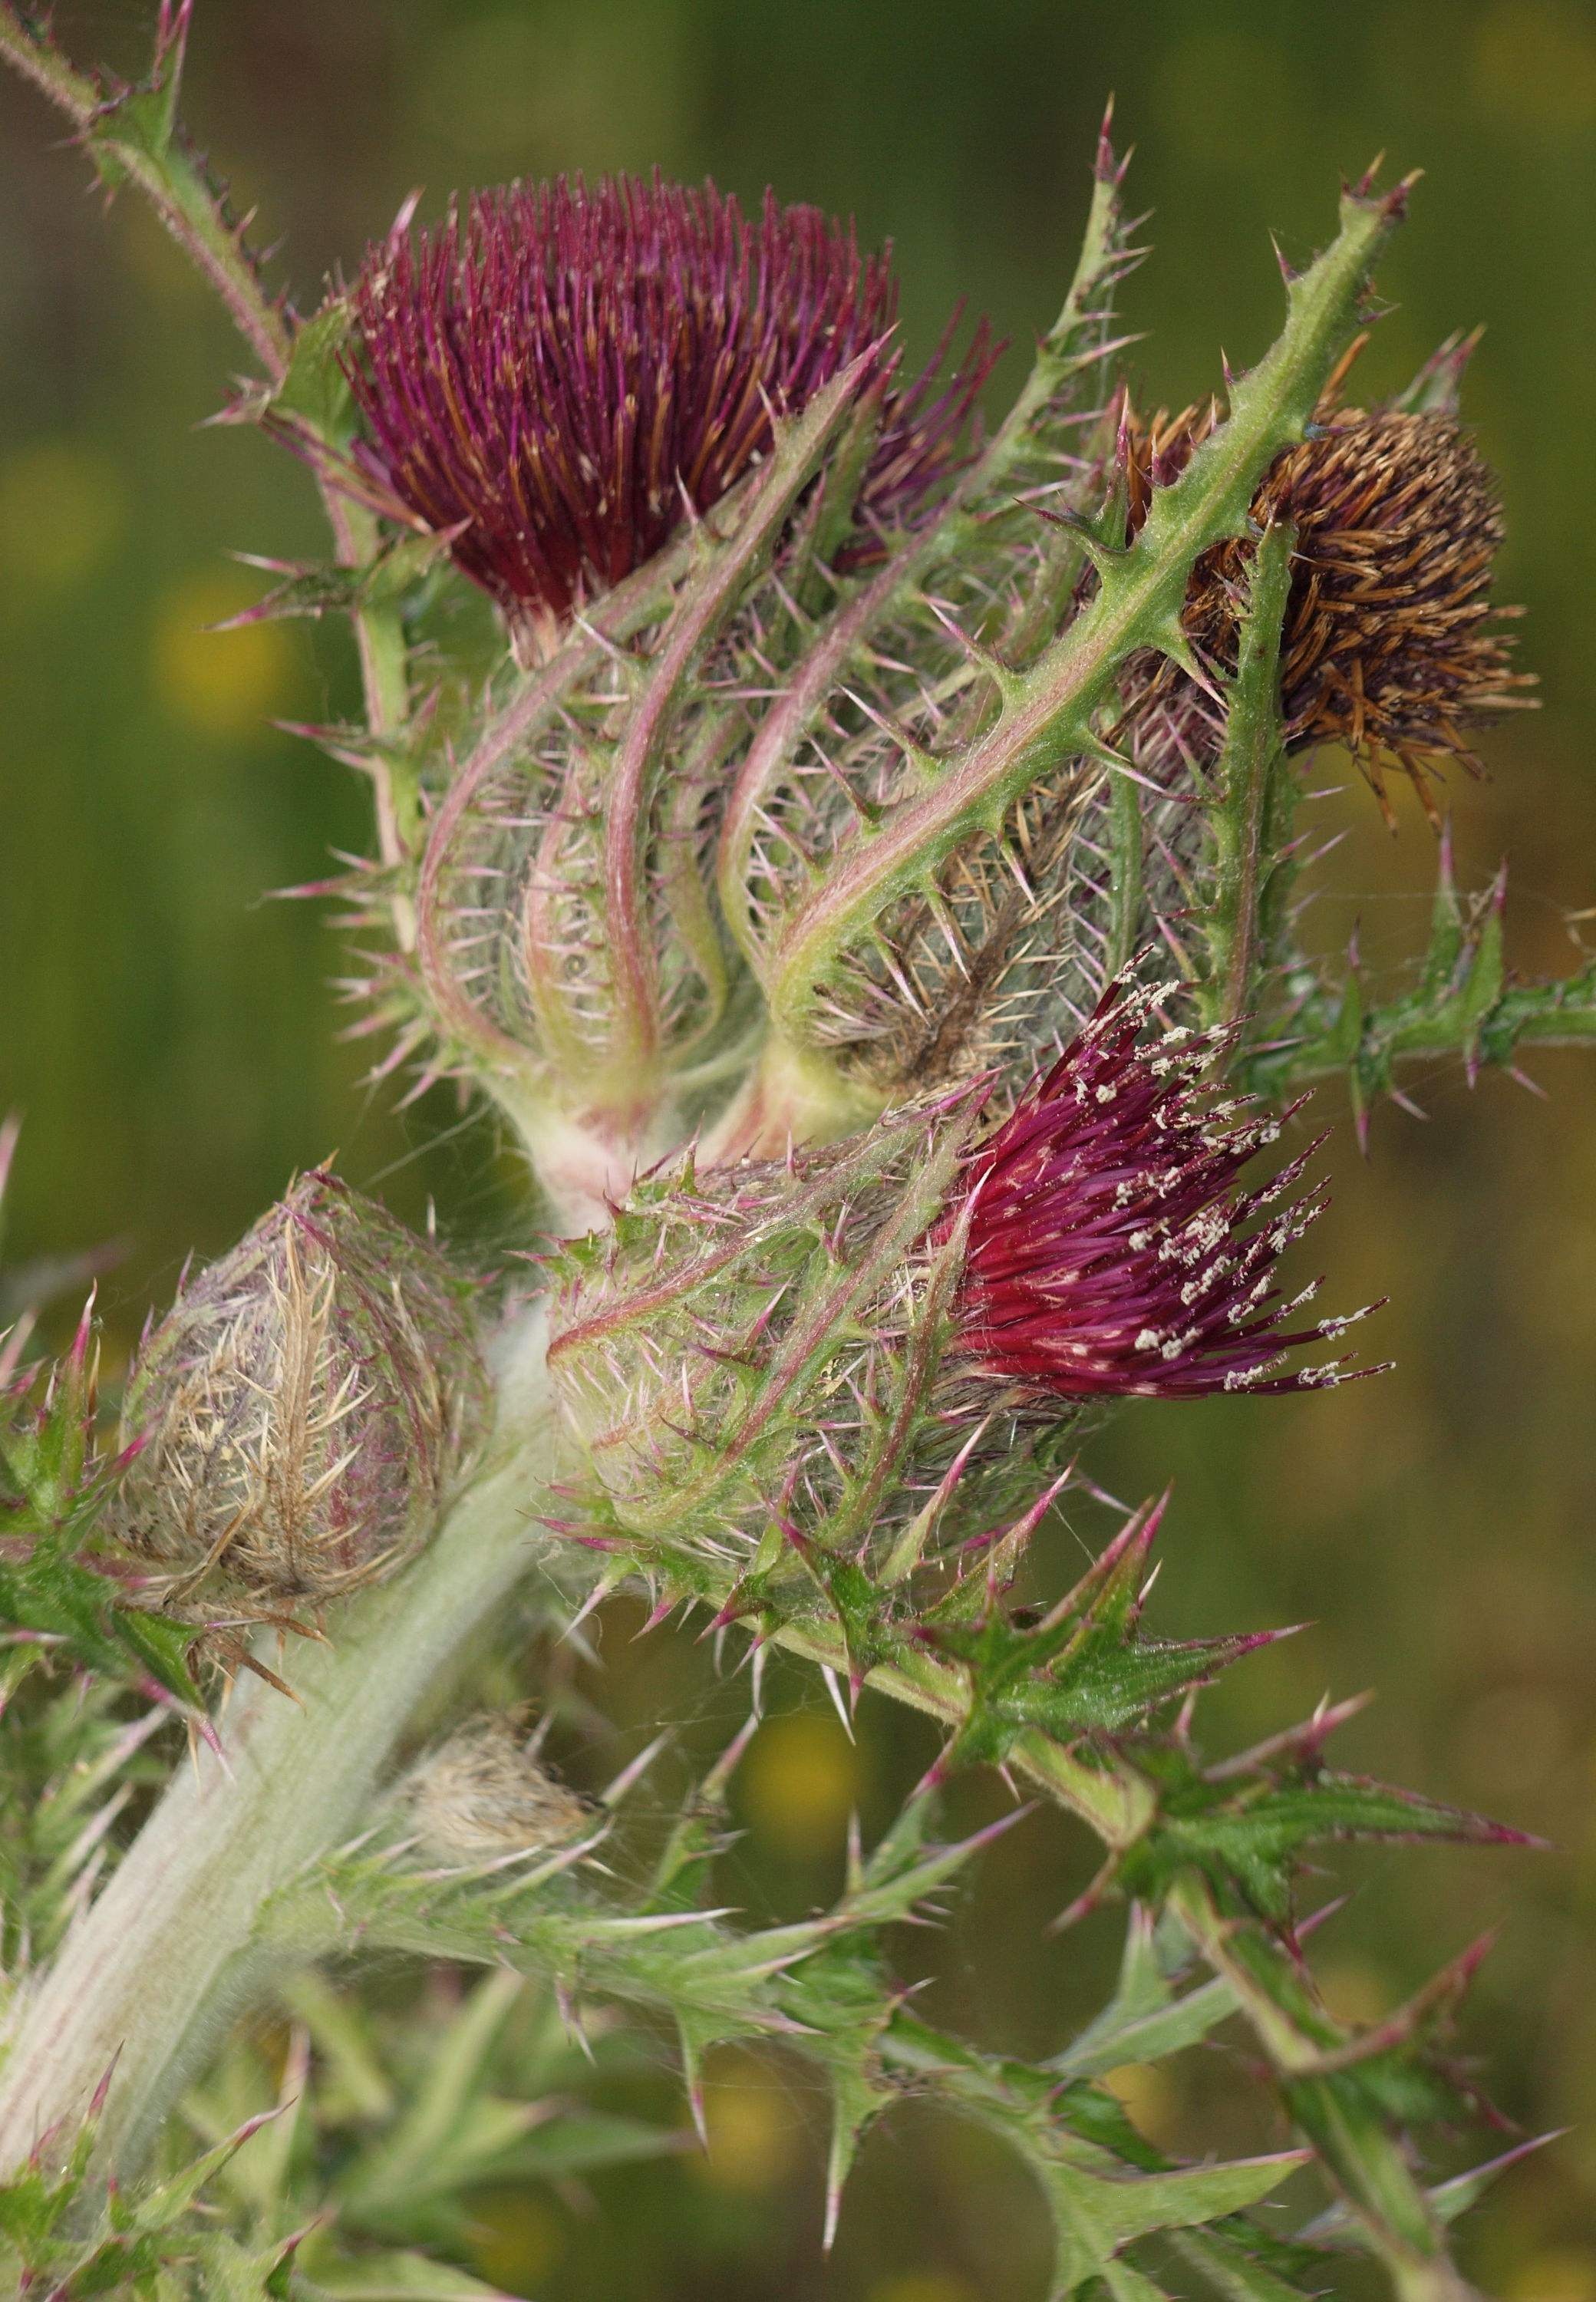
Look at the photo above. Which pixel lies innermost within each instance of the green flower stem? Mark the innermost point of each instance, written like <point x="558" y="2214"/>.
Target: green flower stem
<point x="131" y="138"/>
<point x="385" y="683"/>
<point x="1125" y="864"/>
<point x="165" y="1958"/>
<point x="1251" y="828"/>
<point x="128" y="138"/>
<point x="1356" y="2146"/>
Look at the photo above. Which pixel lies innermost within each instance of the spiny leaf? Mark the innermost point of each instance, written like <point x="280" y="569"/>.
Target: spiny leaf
<point x="1338" y="2226"/>
<point x="1245" y="2265"/>
<point x="70" y="2238"/>
<point x="1463" y="1002"/>
<point x="403" y="2277"/>
<point x="1145" y="2019"/>
<point x="62" y="1586"/>
<point x="1248" y="1836"/>
<point x="1098" y="2213"/>
<point x="314" y="391"/>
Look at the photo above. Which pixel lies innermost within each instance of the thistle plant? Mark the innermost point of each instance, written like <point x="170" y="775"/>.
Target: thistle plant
<point x="863" y="887"/>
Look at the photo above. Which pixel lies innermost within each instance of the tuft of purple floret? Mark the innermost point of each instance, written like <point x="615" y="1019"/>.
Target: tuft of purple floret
<point x="556" y="377"/>
<point x="1110" y="1250"/>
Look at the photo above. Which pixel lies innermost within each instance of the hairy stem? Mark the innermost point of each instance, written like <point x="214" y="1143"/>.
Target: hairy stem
<point x="166" y="1958"/>
<point x="169" y="179"/>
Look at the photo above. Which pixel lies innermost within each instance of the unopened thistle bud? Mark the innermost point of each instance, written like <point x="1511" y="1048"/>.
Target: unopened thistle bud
<point x="556" y="379"/>
<point x="486" y="1794"/>
<point x="304" y="1410"/>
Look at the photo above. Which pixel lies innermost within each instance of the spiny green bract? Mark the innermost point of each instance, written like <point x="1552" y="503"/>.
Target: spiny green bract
<point x="751" y="1361"/>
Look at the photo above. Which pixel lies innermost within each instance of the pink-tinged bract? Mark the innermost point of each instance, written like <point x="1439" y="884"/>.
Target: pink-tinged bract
<point x="1111" y="1251"/>
<point x="556" y="377"/>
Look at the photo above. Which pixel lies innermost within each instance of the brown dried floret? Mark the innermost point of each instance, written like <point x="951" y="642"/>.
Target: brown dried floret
<point x="1386" y="646"/>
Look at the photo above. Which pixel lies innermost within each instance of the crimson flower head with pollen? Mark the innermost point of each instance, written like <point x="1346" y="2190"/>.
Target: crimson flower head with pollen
<point x="1109" y="1250"/>
<point x="556" y="377"/>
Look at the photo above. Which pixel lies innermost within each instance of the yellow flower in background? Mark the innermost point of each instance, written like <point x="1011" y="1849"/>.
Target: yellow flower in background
<point x="1534" y="66"/>
<point x="1559" y="2273"/>
<point x="220" y="683"/>
<point x="62" y="509"/>
<point x="923" y="2286"/>
<point x="517" y="2238"/>
<point x="754" y="2130"/>
<point x="1150" y="2097"/>
<point x="799" y="1784"/>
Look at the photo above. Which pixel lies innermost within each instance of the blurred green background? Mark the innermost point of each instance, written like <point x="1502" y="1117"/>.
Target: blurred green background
<point x="171" y="1038"/>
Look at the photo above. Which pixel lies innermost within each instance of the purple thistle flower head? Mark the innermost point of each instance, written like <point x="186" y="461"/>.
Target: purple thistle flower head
<point x="553" y="379"/>
<point x="1109" y="1251"/>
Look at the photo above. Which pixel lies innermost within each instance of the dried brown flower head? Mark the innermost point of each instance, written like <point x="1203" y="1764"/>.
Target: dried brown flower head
<point x="303" y="1409"/>
<point x="486" y="1794"/>
<point x="1386" y="646"/>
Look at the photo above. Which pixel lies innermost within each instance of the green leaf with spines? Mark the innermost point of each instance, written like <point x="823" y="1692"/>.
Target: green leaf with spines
<point x="818" y="1984"/>
<point x="1339" y="2228"/>
<point x="311" y="589"/>
<point x="451" y="2098"/>
<point x="64" y="1584"/>
<point x="70" y="1762"/>
<point x="1352" y="2100"/>
<point x="314" y="391"/>
<point x="1145" y="2018"/>
<point x="1080" y="1668"/>
<point x="1107" y="2188"/>
<point x="69" y="2235"/>
<point x="1247" y="1833"/>
<point x="1463" y="1002"/>
<point x="1244" y="2263"/>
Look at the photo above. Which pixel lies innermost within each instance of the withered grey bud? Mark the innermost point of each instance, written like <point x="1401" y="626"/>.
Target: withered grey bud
<point x="484" y="1793"/>
<point x="304" y="1408"/>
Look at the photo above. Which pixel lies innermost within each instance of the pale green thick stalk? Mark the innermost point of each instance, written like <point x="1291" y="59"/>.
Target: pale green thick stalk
<point x="164" y="1960"/>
